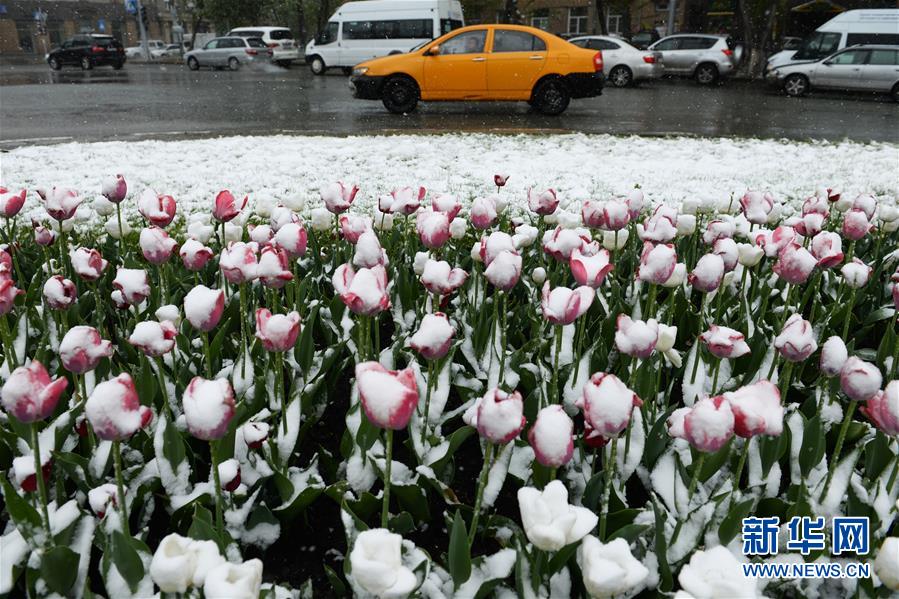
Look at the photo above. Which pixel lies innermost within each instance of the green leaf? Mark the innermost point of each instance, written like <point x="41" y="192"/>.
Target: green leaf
<point x="173" y="447"/>
<point x="402" y="523"/>
<point x="305" y="351"/>
<point x="21" y="512"/>
<point x="59" y="569"/>
<point x="812" y="449"/>
<point x="732" y="523"/>
<point x="630" y="532"/>
<point x="337" y="584"/>
<point x="772" y="449"/>
<point x="878" y="315"/>
<point x="201" y="527"/>
<point x="561" y="558"/>
<point x="661" y="548"/>
<point x="877" y="456"/>
<point x="656" y="440"/>
<point x="459" y="557"/>
<point x="126" y="559"/>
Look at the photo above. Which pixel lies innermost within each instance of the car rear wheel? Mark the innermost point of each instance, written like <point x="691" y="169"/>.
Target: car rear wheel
<point x="706" y="74"/>
<point x="551" y="97"/>
<point x="86" y="64"/>
<point x="317" y="65"/>
<point x="118" y="65"/>
<point x="621" y="76"/>
<point x="284" y="63"/>
<point x="347" y="71"/>
<point x="233" y="64"/>
<point x="193" y="64"/>
<point x="895" y="93"/>
<point x="54" y="64"/>
<point x="400" y="95"/>
<point x="796" y="85"/>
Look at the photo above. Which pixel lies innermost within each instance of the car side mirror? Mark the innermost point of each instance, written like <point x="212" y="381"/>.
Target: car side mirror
<point x="433" y="50"/>
<point x="827" y="63"/>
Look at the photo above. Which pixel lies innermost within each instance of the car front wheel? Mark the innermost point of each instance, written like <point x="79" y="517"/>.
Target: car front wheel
<point x="193" y="64"/>
<point x="621" y="76"/>
<point x="54" y="64"/>
<point x="317" y="65"/>
<point x="706" y="74"/>
<point x="895" y="93"/>
<point x="551" y="97"/>
<point x="400" y="95"/>
<point x="796" y="85"/>
<point x="233" y="64"/>
<point x="86" y="64"/>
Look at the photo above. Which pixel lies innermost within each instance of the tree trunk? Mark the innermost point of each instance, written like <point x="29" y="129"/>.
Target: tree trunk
<point x="301" y="22"/>
<point x="510" y="11"/>
<point x="601" y="17"/>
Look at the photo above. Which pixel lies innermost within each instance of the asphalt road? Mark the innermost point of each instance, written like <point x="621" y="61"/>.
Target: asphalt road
<point x="169" y="101"/>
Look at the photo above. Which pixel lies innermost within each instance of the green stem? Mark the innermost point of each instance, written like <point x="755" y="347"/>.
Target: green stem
<point x="208" y="354"/>
<point x="41" y="485"/>
<point x="849" y="313"/>
<point x="715" y="375"/>
<point x="844" y="428"/>
<point x="118" y="214"/>
<point x="388" y="458"/>
<point x="9" y="341"/>
<point x="482" y="483"/>
<point x="424" y="421"/>
<point x="219" y="507"/>
<point x="243" y="328"/>
<point x="697" y="469"/>
<point x="650" y="309"/>
<point x="162" y="388"/>
<point x="502" y="338"/>
<point x="555" y="378"/>
<point x="738" y="473"/>
<point x="120" y="484"/>
<point x="786" y="377"/>
<point x="607" y="469"/>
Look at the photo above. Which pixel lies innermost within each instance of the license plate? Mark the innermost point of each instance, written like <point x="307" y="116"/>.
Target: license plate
<point x="287" y="45"/>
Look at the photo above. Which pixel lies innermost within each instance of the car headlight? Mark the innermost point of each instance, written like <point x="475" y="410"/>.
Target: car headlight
<point x="360" y="71"/>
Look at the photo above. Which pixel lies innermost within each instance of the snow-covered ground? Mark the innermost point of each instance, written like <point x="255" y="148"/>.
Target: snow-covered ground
<point x="577" y="166"/>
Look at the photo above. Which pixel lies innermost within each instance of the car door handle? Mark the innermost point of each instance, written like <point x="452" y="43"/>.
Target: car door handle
<point x="536" y="57"/>
<point x="478" y="59"/>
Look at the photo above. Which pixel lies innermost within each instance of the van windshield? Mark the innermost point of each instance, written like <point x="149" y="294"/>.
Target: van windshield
<point x="818" y="45"/>
<point x="328" y="35"/>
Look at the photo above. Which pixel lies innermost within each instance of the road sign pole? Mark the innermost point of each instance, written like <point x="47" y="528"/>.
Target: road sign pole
<point x="144" y="42"/>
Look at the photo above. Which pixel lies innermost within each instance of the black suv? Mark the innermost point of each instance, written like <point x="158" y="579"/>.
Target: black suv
<point x="88" y="51"/>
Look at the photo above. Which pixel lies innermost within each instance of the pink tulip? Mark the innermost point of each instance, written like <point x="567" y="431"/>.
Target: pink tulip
<point x="273" y="268"/>
<point x="635" y="337"/>
<point x="794" y="264"/>
<point x="860" y="380"/>
<point x="757" y="206"/>
<point x="156" y="245"/>
<point x="551" y="437"/>
<point x="856" y="273"/>
<point x="831" y="194"/>
<point x="495" y="243"/>
<point x="833" y="356"/>
<point x="434" y="337"/>
<point x="810" y="224"/>
<point x="483" y="213"/>
<point x="883" y="409"/>
<point x="87" y="263"/>
<point x="617" y="214"/>
<point x="560" y="242"/>
<point x="363" y="291"/>
<point x="59" y="203"/>
<point x="255" y="434"/>
<point x="82" y="348"/>
<point x="657" y="263"/>
<point x="114" y="189"/>
<point x="388" y="396"/>
<point x="59" y="292"/>
<point x="446" y="203"/>
<point x="208" y="407"/>
<point x="796" y="341"/>
<point x="8" y="293"/>
<point x="635" y="202"/>
<point x="718" y="229"/>
<point x="195" y="255"/>
<point x="260" y="234"/>
<point x="708" y="273"/>
<point x="729" y="252"/>
<point x="827" y="249"/>
<point x="338" y="197"/>
<point x="439" y="278"/>
<point x="498" y="416"/>
<point x="153" y="338"/>
<point x="592" y="214"/>
<point x="158" y="209"/>
<point x="352" y="226"/>
<point x="292" y="238"/>
<point x="661" y="227"/>
<point x="433" y="228"/>
<point x="562" y="305"/>
<point x="11" y="202"/>
<point x="114" y="410"/>
<point x="278" y="332"/>
<point x="776" y="240"/>
<point x="500" y="180"/>
<point x="369" y="252"/>
<point x="607" y="404"/>
<point x="504" y="271"/>
<point x="592" y="439"/>
<point x="403" y="200"/>
<point x="590" y="270"/>
<point x="543" y="202"/>
<point x="225" y="207"/>
<point x="816" y="205"/>
<point x="866" y="203"/>
<point x="102" y="498"/>
<point x="895" y="293"/>
<point x="709" y="424"/>
<point x="757" y="410"/>
<point x="238" y="262"/>
<point x="43" y="236"/>
<point x="133" y="285"/>
<point x="724" y="342"/>
<point x="29" y="394"/>
<point x="856" y="225"/>
<point x="203" y="307"/>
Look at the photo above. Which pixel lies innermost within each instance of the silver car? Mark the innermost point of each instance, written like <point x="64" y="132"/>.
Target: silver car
<point x="623" y="64"/>
<point x="230" y="52"/>
<point x="865" y="68"/>
<point x="706" y="58"/>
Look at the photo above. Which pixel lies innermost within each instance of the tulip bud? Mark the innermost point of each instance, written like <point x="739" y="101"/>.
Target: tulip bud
<point x="749" y="255"/>
<point x="757" y="409"/>
<point x="635" y="337"/>
<point x="278" y="332"/>
<point x="363" y="291"/>
<point x="615" y="240"/>
<point x="226" y="207"/>
<point x="437" y="277"/>
<point x="833" y="356"/>
<point x="562" y="306"/>
<point x="133" y="285"/>
<point x="100" y="498"/>
<point x="103" y="207"/>
<point x="208" y="407"/>
<point x="200" y="230"/>
<point x="11" y="202"/>
<point x="60" y="203"/>
<point x="260" y="234"/>
<point x="504" y="271"/>
<point x="203" y="307"/>
<point x="539" y="275"/>
<point x="827" y="249"/>
<point x="352" y="226"/>
<point x="724" y="342"/>
<point x="229" y="475"/>
<point x="87" y="263"/>
<point x="551" y="437"/>
<point x="657" y="263"/>
<point x="114" y="410"/>
<point x="458" y="228"/>
<point x="255" y="434"/>
<point x="82" y="349"/>
<point x="686" y="224"/>
<point x="158" y="209"/>
<point x="154" y="339"/>
<point x="168" y="312"/>
<point x="156" y="245"/>
<point x="590" y="270"/>
<point x="434" y="337"/>
<point x="498" y="416"/>
<point x="549" y="521"/>
<point x="607" y="404"/>
<point x="59" y="293"/>
<point x="856" y="225"/>
<point x="707" y="274"/>
<point x="709" y="424"/>
<point x="273" y="268"/>
<point x="542" y="202"/>
<point x="678" y="276"/>
<point x="883" y="410"/>
<point x="860" y="380"/>
<point x="195" y="255"/>
<point x="377" y="566"/>
<point x="321" y="219"/>
<point x="388" y="396"/>
<point x="796" y="341"/>
<point x="239" y="263"/>
<point x="856" y="273"/>
<point x="29" y="394"/>
<point x="727" y="249"/>
<point x="114" y="189"/>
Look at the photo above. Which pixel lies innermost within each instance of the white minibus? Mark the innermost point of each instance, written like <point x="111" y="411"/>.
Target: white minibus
<point x="368" y="29"/>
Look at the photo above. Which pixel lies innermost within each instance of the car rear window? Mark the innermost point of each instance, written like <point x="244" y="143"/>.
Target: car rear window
<point x="246" y="33"/>
<point x="280" y="34"/>
<point x="255" y="42"/>
<point x="884" y="57"/>
<point x="517" y="41"/>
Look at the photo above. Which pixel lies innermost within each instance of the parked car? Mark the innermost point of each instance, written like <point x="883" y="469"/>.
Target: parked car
<point x="484" y="62"/>
<point x="706" y="58"/>
<point x="863" y="68"/>
<point x="643" y="39"/>
<point x="850" y="28"/>
<point x="623" y="64"/>
<point x="138" y="51"/>
<point x="360" y="31"/>
<point x="172" y="50"/>
<point x="279" y="39"/>
<point x="231" y="52"/>
<point x="88" y="51"/>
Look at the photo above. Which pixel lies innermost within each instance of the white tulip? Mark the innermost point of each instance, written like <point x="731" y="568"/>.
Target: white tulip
<point x="886" y="565"/>
<point x="234" y="581"/>
<point x="321" y="219"/>
<point x="550" y="523"/>
<point x="377" y="564"/>
<point x="458" y="228"/>
<point x="609" y="569"/>
<point x="104" y="207"/>
<point x="539" y="275"/>
<point x="686" y="224"/>
<point x="173" y="564"/>
<point x="609" y="237"/>
<point x="715" y="573"/>
<point x="112" y="228"/>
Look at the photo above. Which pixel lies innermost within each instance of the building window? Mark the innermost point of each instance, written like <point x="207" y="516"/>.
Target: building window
<point x="613" y="23"/>
<point x="540" y="19"/>
<point x="577" y="20"/>
<point x="661" y="5"/>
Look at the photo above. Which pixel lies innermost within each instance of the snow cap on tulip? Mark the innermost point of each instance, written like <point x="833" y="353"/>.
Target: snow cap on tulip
<point x="756" y="206"/>
<point x="229" y="475"/>
<point x="156" y="245"/>
<point x="774" y="241"/>
<point x="661" y="227"/>
<point x="195" y="255"/>
<point x="657" y="263"/>
<point x="483" y="212"/>
<point x="446" y="203"/>
<point x="827" y="249"/>
<point x="833" y="356"/>
<point x="239" y="263"/>
<point x="860" y="380"/>
<point x="542" y="202"/>
<point x="796" y="341"/>
<point x="114" y="411"/>
<point x="60" y="203"/>
<point x="434" y="337"/>
<point x="810" y="224"/>
<point x="338" y="196"/>
<point x="234" y="581"/>
<point x="261" y="234"/>
<point x="724" y="342"/>
<point x="133" y="284"/>
<point x="757" y="409"/>
<point x="709" y="424"/>
<point x="29" y="394"/>
<point x="590" y="269"/>
<point x="794" y="264"/>
<point x="87" y="263"/>
<point x="592" y="214"/>
<point x="635" y="202"/>
<point x="856" y="273"/>
<point x="11" y="202"/>
<point x="883" y="410"/>
<point x="114" y="189"/>
<point x="560" y="242"/>
<point x="203" y="307"/>
<point x="433" y="228"/>
<point x="402" y="200"/>
<point x="498" y="416"/>
<point x="363" y="291"/>
<point x="59" y="292"/>
<point x="636" y="338"/>
<point x="549" y="521"/>
<point x="388" y="396"/>
<point x="369" y="252"/>
<point x="607" y="404"/>
<point x="376" y="562"/>
<point x="438" y="277"/>
<point x="82" y="348"/>
<point x="562" y="306"/>
<point x="610" y="569"/>
<point x="225" y="206"/>
<point x="292" y="238"/>
<point x="504" y="271"/>
<point x="856" y="225"/>
<point x="153" y="338"/>
<point x="353" y="225"/>
<point x="729" y="252"/>
<point x="277" y="332"/>
<point x="101" y="498"/>
<point x="551" y="437"/>
<point x="273" y="268"/>
<point x="208" y="407"/>
<point x="158" y="209"/>
<point x="708" y="273"/>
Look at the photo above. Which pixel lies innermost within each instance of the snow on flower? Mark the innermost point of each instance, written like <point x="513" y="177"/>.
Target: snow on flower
<point x="607" y="404"/>
<point x="377" y="566"/>
<point x="551" y="437"/>
<point x="114" y="411"/>
<point x="208" y="407"/>
<point x="388" y="396"/>
<point x="29" y="394"/>
<point x="498" y="416"/>
<point x="549" y="521"/>
<point x="609" y="569"/>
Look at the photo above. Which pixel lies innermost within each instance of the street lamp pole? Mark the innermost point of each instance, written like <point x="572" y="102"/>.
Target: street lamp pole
<point x="142" y="27"/>
<point x="672" y="11"/>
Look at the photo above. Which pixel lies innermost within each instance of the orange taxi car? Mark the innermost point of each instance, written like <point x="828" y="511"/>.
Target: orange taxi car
<point x="483" y="62"/>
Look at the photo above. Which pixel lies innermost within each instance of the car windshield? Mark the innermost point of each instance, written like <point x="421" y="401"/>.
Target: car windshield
<point x="280" y="34"/>
<point x="818" y="45"/>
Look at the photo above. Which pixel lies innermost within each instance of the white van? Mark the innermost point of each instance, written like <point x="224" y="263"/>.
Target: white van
<point x="850" y="28"/>
<point x="368" y="29"/>
<point x="279" y="39"/>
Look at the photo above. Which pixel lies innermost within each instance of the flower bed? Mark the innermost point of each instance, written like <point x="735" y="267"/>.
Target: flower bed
<point x="563" y="404"/>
